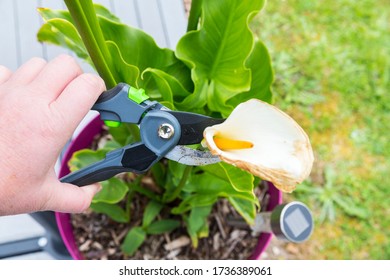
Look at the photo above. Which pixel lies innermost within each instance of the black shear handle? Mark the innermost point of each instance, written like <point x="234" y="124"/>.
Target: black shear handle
<point x="135" y="158"/>
<point x="91" y="174"/>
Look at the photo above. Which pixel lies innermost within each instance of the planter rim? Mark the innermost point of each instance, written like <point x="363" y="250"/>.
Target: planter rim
<point x="82" y="141"/>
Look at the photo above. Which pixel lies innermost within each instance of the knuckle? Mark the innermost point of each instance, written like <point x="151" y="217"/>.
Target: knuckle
<point x="69" y="61"/>
<point x="92" y="81"/>
<point x="37" y="60"/>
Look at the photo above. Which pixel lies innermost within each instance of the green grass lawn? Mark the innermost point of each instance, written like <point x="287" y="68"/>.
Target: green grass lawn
<point x="332" y="69"/>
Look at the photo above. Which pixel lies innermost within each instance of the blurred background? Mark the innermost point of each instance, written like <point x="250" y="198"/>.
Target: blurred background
<point x="332" y="74"/>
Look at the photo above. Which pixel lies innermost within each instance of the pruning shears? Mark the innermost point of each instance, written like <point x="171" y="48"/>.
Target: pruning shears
<point x="164" y="134"/>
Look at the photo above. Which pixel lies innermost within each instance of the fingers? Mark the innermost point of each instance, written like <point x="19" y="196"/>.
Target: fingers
<point x="70" y="198"/>
<point x="28" y="71"/>
<point x="78" y="97"/>
<point x="56" y="75"/>
<point x="5" y="74"/>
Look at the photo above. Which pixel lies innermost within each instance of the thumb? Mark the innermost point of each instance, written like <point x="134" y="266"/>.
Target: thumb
<point x="70" y="198"/>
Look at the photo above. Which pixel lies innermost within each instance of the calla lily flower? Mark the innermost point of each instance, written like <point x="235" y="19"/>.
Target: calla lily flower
<point x="265" y="141"/>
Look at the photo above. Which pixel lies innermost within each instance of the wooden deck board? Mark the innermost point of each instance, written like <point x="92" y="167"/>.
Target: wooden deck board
<point x="174" y="20"/>
<point x="19" y="23"/>
<point x="28" y="20"/>
<point x="8" y="45"/>
<point x="127" y="12"/>
<point x="152" y="23"/>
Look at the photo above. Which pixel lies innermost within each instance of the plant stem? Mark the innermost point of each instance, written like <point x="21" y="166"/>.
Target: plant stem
<point x="180" y="186"/>
<point x="84" y="16"/>
<point x="195" y="12"/>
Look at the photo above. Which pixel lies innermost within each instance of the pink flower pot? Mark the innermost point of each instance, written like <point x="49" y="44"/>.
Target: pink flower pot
<point x="84" y="140"/>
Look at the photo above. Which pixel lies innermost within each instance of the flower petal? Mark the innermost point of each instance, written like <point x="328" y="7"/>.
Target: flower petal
<point x="281" y="151"/>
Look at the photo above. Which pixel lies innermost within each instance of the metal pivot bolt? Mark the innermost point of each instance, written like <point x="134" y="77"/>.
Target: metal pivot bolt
<point x="166" y="131"/>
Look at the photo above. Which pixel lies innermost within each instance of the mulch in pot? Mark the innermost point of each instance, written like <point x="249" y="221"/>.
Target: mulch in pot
<point x="99" y="237"/>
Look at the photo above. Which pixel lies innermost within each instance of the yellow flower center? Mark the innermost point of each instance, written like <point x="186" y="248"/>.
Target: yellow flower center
<point x="231" y="144"/>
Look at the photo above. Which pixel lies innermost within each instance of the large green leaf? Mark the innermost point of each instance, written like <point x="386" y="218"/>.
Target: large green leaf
<point x="169" y="88"/>
<point x="262" y="77"/>
<point x="217" y="53"/>
<point x="139" y="49"/>
<point x="122" y="71"/>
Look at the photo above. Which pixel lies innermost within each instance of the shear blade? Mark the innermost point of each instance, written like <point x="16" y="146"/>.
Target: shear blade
<point x="192" y="126"/>
<point x="190" y="156"/>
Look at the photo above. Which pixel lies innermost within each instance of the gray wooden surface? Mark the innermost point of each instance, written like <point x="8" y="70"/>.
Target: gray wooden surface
<point x="19" y="22"/>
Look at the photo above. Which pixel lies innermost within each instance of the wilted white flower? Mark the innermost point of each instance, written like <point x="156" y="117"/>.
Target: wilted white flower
<point x="265" y="141"/>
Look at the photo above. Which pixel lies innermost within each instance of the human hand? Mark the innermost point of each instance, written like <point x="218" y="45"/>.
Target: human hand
<point x="41" y="105"/>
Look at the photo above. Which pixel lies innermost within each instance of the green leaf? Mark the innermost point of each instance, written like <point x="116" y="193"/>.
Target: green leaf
<point x="139" y="49"/>
<point x="245" y="208"/>
<point x="174" y="176"/>
<point x="162" y="226"/>
<point x="48" y="14"/>
<point x="123" y="71"/>
<point x="350" y="207"/>
<point x="197" y="223"/>
<point x="151" y="211"/>
<point x="196" y="200"/>
<point x="113" y="191"/>
<point x="84" y="158"/>
<point x="174" y="192"/>
<point x="159" y="173"/>
<point x="104" y="12"/>
<point x="53" y="32"/>
<point x="134" y="239"/>
<point x="262" y="76"/>
<point x="113" y="211"/>
<point x="168" y="86"/>
<point x="129" y="51"/>
<point x="125" y="133"/>
<point x="217" y="52"/>
<point x="176" y="170"/>
<point x="204" y="189"/>
<point x="148" y="193"/>
<point x="240" y="180"/>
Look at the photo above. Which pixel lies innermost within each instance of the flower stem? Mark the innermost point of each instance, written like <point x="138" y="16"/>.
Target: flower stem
<point x="195" y="12"/>
<point x="84" y="16"/>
